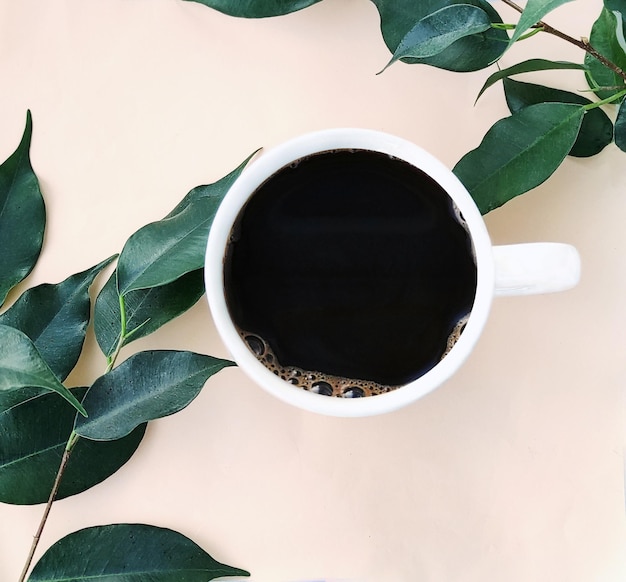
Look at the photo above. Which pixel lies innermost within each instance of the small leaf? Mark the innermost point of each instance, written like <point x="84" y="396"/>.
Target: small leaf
<point x="620" y="127"/>
<point x="437" y="31"/>
<point x="22" y="215"/>
<point x="596" y="131"/>
<point x="147" y="386"/>
<point x="534" y="11"/>
<point x="603" y="38"/>
<point x="146" y="309"/>
<point x="128" y="553"/>
<point x="257" y="8"/>
<point x="23" y="371"/>
<point x="55" y="318"/>
<point x="34" y="435"/>
<point x="470" y="53"/>
<point x="163" y="251"/>
<point x="528" y="66"/>
<point x="519" y="152"/>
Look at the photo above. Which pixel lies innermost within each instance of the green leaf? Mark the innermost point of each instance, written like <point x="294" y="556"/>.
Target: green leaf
<point x="147" y="386"/>
<point x="620" y="127"/>
<point x="55" y="318"/>
<point x="470" y="53"/>
<point x="604" y="39"/>
<point x="23" y="372"/>
<point x="533" y="12"/>
<point x="519" y="152"/>
<point x="596" y="131"/>
<point x="437" y="31"/>
<point x="22" y="215"/>
<point x="146" y="309"/>
<point x="257" y="8"/>
<point x="528" y="66"/>
<point x="128" y="553"/>
<point x="34" y="435"/>
<point x="163" y="251"/>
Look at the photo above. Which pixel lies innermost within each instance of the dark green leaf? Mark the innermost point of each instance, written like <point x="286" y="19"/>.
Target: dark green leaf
<point x="147" y="386"/>
<point x="257" y="8"/>
<point x="163" y="251"/>
<point x="604" y="39"/>
<point x="23" y="372"/>
<point x="146" y="309"/>
<point x="128" y="553"/>
<point x="616" y="6"/>
<point x="33" y="436"/>
<point x="55" y="318"/>
<point x="398" y="17"/>
<point x="620" y="127"/>
<point x="437" y="31"/>
<point x="22" y="215"/>
<point x="534" y="11"/>
<point x="596" y="131"/>
<point x="519" y="153"/>
<point x="529" y="66"/>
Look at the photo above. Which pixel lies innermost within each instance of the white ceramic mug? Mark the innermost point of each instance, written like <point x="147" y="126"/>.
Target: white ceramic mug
<point x="502" y="270"/>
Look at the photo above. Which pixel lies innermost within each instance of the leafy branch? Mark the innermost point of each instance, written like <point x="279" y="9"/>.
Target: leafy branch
<point x="95" y="430"/>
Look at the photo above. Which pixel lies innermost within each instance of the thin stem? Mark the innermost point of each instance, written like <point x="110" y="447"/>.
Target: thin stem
<point x="580" y="43"/>
<point x="71" y="442"/>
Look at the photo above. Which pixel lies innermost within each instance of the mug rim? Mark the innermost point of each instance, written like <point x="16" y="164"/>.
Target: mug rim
<point x="266" y="165"/>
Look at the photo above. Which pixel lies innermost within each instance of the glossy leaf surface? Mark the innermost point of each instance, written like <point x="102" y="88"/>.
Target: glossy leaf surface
<point x="257" y="8"/>
<point x="470" y="53"/>
<point x="604" y="39"/>
<point x="163" y="251"/>
<point x="24" y="373"/>
<point x="620" y="127"/>
<point x="534" y="11"/>
<point x="519" y="152"/>
<point x="147" y="386"/>
<point x="55" y="318"/>
<point x="437" y="31"/>
<point x="128" y="553"/>
<point x="146" y="309"/>
<point x="33" y="436"/>
<point x="22" y="215"/>
<point x="596" y="131"/>
<point x="528" y="66"/>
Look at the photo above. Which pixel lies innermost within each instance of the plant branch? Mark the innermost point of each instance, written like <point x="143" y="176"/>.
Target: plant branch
<point x="580" y="43"/>
<point x="73" y="439"/>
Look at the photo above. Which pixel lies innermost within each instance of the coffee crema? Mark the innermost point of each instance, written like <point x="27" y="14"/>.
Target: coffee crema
<point x="350" y="273"/>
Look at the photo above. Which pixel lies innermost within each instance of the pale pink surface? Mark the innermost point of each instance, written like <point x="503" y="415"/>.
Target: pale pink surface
<point x="513" y="471"/>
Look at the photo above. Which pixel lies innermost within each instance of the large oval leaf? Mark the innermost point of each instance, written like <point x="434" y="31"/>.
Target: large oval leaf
<point x="163" y="251"/>
<point x="34" y="435"/>
<point x="533" y="12"/>
<point x="257" y="8"/>
<point x="128" y="553"/>
<point x="470" y="53"/>
<point x="519" y="152"/>
<point x="55" y="318"/>
<point x="23" y="372"/>
<point x="147" y="386"/>
<point x="146" y="309"/>
<point x="437" y="31"/>
<point x="596" y="131"/>
<point x="604" y="39"/>
<point x="22" y="215"/>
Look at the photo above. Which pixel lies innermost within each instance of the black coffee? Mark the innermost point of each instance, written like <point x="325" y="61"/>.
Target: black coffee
<point x="350" y="272"/>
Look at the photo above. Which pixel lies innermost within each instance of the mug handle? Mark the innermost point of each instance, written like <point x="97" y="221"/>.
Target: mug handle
<point x="533" y="268"/>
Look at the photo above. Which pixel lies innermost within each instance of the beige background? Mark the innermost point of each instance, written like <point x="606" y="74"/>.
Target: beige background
<point x="513" y="471"/>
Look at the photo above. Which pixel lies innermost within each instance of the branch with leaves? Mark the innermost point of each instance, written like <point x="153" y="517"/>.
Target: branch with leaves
<point x="60" y="440"/>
